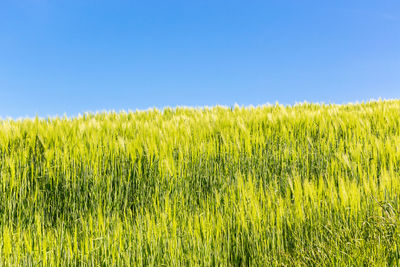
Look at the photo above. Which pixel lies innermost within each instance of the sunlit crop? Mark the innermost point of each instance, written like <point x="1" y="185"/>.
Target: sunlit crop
<point x="271" y="185"/>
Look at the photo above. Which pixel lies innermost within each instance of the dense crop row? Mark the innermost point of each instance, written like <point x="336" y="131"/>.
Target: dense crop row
<point x="269" y="185"/>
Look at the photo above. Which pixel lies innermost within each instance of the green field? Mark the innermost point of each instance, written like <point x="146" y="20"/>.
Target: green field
<point x="270" y="185"/>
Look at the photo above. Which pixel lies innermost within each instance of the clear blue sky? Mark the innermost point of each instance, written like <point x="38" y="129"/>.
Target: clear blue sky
<point x="71" y="56"/>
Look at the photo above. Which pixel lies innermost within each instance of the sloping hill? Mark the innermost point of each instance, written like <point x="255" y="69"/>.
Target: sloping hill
<point x="271" y="185"/>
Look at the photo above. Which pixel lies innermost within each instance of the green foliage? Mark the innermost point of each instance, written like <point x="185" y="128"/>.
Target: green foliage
<point x="301" y="185"/>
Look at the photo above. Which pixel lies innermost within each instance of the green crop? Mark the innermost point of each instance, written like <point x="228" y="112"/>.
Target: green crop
<point x="306" y="185"/>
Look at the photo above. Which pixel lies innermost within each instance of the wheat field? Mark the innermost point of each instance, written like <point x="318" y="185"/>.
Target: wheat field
<point x="272" y="185"/>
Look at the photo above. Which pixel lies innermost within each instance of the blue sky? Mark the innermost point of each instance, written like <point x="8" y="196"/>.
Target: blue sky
<point x="71" y="56"/>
